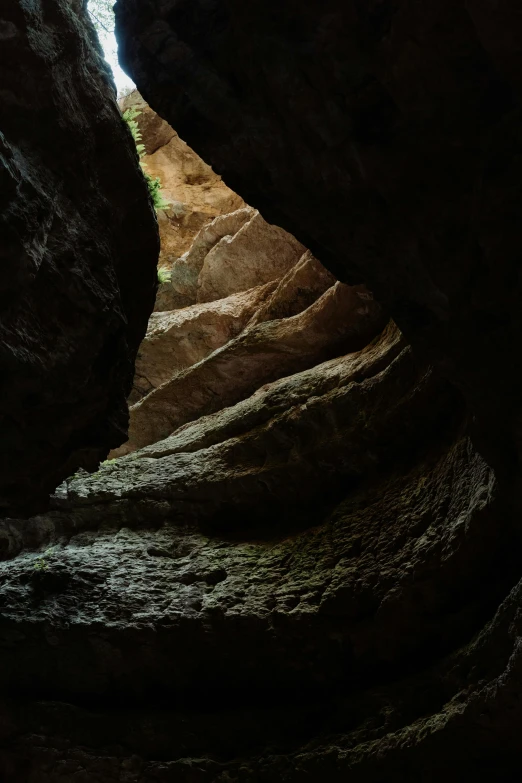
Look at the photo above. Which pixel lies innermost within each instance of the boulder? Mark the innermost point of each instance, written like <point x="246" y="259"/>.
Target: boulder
<point x="79" y="248"/>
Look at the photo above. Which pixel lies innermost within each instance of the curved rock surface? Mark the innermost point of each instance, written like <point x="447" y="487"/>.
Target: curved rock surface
<point x="384" y="136"/>
<point x="79" y="248"/>
<point x="190" y="364"/>
<point x="221" y="647"/>
<point x="180" y="338"/>
<point x="319" y="578"/>
<point x="343" y="319"/>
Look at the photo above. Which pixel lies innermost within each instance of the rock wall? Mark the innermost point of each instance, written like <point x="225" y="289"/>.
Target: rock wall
<point x="259" y="307"/>
<point x="385" y="137"/>
<point x="305" y="566"/>
<point x="78" y="246"/>
<point x="195" y="192"/>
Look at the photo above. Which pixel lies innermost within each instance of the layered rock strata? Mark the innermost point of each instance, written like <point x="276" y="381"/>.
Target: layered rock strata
<point x="233" y="337"/>
<point x="177" y="339"/>
<point x="385" y="137"/>
<point x="275" y="591"/>
<point x="317" y="579"/>
<point x="343" y="319"/>
<point x="79" y="248"/>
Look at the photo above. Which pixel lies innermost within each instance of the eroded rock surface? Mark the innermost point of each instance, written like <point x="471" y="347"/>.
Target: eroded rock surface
<point x="254" y="575"/>
<point x="343" y="319"/>
<point x="260" y="307"/>
<point x="79" y="248"/>
<point x="196" y="194"/>
<point x="385" y="137"/>
<point x="234" y="252"/>
<point x="256" y="253"/>
<point x="180" y="338"/>
<point x="312" y="571"/>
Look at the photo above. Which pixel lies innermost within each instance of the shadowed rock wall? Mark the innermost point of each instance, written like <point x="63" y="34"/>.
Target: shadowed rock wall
<point x="78" y="247"/>
<point x="386" y="137"/>
<point x="321" y="581"/>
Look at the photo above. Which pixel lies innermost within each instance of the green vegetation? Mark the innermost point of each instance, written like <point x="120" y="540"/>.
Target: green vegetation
<point x="40" y="563"/>
<point x="163" y="275"/>
<point x="155" y="191"/>
<point x="154" y="184"/>
<point x="102" y="15"/>
<point x="129" y="115"/>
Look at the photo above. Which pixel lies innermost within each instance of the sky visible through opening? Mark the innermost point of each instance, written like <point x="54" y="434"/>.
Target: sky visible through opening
<point x="110" y="48"/>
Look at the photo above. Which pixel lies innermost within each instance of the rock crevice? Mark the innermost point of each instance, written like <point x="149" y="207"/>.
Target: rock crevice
<point x="303" y="564"/>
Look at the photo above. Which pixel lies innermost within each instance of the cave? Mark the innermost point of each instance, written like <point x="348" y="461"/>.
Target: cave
<point x="260" y="332"/>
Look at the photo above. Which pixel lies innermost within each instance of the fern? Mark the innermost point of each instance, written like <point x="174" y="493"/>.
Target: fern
<point x="153" y="183"/>
<point x="163" y="276"/>
<point x="155" y="191"/>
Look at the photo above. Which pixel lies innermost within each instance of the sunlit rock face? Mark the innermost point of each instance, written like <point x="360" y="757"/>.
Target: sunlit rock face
<point x="385" y="137"/>
<point x="306" y="566"/>
<point x="78" y="246"/>
<point x="260" y="307"/>
<point x="196" y="194"/>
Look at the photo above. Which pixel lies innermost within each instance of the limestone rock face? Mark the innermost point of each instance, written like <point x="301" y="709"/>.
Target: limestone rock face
<point x="257" y="253"/>
<point x="181" y="338"/>
<point x="233" y="253"/>
<point x="197" y="356"/>
<point x="342" y="320"/>
<point x="195" y="192"/>
<point x="187" y="268"/>
<point x="155" y="131"/>
<point x="372" y="132"/>
<point x="79" y="245"/>
<point x="305" y="282"/>
<point x="287" y="546"/>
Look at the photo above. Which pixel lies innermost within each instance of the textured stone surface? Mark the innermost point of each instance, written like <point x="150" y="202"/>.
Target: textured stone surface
<point x="257" y="253"/>
<point x="305" y="282"/>
<point x="155" y="131"/>
<point x="319" y="582"/>
<point x="78" y="247"/>
<point x="181" y="338"/>
<point x="174" y="642"/>
<point x="383" y="135"/>
<point x="342" y="319"/>
<point x="186" y="269"/>
<point x="235" y="252"/>
<point x="196" y="193"/>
